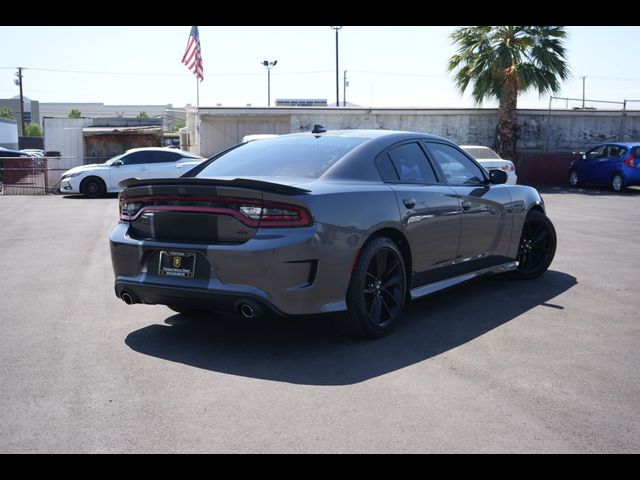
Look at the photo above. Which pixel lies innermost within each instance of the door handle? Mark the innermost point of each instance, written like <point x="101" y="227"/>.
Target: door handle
<point x="466" y="206"/>
<point x="409" y="202"/>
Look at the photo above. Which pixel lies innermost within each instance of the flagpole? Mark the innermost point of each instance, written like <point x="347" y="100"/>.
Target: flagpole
<point x="198" y="139"/>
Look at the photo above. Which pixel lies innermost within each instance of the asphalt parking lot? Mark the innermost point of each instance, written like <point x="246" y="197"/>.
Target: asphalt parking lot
<point x="549" y="365"/>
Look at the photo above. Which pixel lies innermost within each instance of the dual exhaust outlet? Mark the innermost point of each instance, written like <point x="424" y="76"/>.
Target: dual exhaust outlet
<point x="246" y="308"/>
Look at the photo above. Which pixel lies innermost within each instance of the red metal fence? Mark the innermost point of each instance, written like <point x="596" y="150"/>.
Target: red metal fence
<point x="543" y="168"/>
<point x="23" y="176"/>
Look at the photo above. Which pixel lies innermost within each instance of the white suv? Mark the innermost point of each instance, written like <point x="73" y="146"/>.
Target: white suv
<point x="151" y="162"/>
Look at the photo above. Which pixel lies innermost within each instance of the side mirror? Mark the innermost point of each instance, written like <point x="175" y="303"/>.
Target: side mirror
<point x="117" y="163"/>
<point x="497" y="177"/>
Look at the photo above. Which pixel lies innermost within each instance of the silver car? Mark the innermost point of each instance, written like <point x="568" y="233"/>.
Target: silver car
<point x="355" y="221"/>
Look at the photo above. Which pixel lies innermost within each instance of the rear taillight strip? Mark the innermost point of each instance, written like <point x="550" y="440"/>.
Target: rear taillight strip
<point x="266" y="221"/>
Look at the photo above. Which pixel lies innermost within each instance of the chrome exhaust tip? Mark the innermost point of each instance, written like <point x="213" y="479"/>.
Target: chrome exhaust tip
<point x="247" y="311"/>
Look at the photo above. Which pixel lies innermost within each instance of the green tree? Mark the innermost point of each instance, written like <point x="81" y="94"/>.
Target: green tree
<point x="143" y="115"/>
<point x="75" y="113"/>
<point x="6" y="112"/>
<point x="501" y="62"/>
<point x="33" y="130"/>
<point x="177" y="126"/>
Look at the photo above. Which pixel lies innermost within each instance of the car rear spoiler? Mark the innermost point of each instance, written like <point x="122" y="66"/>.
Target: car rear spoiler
<point x="238" y="182"/>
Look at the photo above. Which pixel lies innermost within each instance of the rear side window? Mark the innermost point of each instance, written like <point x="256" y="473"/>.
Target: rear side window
<point x="164" y="157"/>
<point x="411" y="164"/>
<point x="616" y="151"/>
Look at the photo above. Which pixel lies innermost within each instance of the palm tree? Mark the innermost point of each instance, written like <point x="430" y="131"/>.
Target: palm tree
<point x="501" y="62"/>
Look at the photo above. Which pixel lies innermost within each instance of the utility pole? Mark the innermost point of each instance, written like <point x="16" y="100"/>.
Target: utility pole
<point x="345" y="84"/>
<point x="337" y="29"/>
<point x="19" y="82"/>
<point x="583" y="79"/>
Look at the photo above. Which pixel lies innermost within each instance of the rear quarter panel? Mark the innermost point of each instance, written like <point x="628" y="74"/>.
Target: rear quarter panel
<point x="345" y="216"/>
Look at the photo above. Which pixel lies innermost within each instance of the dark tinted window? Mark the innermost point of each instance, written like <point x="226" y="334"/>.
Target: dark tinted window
<point x="635" y="151"/>
<point x="386" y="169"/>
<point x="163" y="157"/>
<point x="304" y="156"/>
<point x="457" y="168"/>
<point x="137" y="158"/>
<point x="615" y="151"/>
<point x="411" y="164"/>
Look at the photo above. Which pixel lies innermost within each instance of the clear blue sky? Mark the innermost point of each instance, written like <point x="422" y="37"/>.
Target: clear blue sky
<point x="387" y="66"/>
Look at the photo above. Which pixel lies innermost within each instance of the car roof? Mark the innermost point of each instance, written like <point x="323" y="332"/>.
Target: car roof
<point x="161" y="149"/>
<point x="18" y="153"/>
<point x="623" y="144"/>
<point x="371" y="134"/>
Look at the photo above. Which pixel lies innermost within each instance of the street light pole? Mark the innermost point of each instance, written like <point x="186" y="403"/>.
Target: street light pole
<point x="337" y="69"/>
<point x="269" y="65"/>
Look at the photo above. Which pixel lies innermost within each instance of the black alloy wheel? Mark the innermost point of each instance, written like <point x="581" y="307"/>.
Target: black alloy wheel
<point x="93" y="187"/>
<point x="377" y="290"/>
<point x="537" y="246"/>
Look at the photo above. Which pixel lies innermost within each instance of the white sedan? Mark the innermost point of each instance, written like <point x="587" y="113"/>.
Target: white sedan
<point x="490" y="160"/>
<point x="151" y="162"/>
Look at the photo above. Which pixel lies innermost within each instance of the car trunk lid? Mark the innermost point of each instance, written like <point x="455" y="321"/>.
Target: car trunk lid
<point x="209" y="211"/>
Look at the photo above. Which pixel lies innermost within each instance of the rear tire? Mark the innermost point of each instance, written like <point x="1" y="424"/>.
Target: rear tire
<point x="377" y="290"/>
<point x="574" y="178"/>
<point x="617" y="183"/>
<point x="537" y="247"/>
<point x="93" y="187"/>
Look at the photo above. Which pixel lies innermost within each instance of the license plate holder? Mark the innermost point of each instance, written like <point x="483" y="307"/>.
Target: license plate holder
<point x="177" y="264"/>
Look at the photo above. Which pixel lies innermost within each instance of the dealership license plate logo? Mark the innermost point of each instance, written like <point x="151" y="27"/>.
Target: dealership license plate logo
<point x="177" y="264"/>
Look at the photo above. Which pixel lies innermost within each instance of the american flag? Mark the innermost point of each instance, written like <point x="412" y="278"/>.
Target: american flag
<point x="193" y="56"/>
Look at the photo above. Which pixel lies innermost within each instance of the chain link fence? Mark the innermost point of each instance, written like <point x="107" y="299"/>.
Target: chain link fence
<point x="31" y="175"/>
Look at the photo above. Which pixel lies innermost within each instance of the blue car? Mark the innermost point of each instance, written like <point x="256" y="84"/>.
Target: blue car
<point x="613" y="164"/>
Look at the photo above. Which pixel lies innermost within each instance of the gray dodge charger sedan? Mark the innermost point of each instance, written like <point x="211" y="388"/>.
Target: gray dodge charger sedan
<point x="354" y="221"/>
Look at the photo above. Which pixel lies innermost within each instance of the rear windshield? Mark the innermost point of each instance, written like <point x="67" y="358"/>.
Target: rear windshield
<point x="306" y="156"/>
<point x="481" y="152"/>
<point x="635" y="151"/>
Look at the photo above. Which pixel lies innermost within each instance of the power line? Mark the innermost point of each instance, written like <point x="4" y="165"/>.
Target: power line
<point x="159" y="74"/>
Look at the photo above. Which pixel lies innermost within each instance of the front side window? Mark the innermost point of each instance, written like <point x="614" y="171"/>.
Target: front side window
<point x="136" y="158"/>
<point x="457" y="168"/>
<point x="596" y="153"/>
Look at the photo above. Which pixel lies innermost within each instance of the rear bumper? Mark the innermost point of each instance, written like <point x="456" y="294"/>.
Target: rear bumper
<point x="288" y="271"/>
<point x="226" y="301"/>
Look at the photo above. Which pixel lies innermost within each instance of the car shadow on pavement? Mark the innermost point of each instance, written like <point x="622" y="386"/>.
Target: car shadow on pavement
<point x="310" y="351"/>
<point x="83" y="197"/>
<point x="592" y="191"/>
